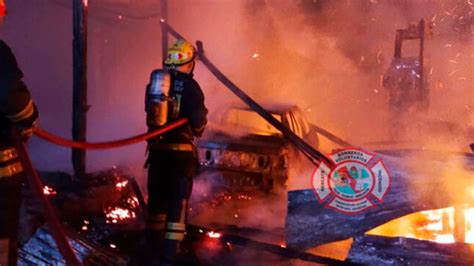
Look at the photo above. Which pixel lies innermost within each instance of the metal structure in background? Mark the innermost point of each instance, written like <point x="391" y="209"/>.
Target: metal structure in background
<point x="79" y="102"/>
<point x="416" y="32"/>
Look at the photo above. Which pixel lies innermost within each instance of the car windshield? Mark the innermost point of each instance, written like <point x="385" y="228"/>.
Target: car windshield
<point x="251" y="123"/>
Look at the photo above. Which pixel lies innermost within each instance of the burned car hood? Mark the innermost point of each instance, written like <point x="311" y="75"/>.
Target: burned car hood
<point x="252" y="143"/>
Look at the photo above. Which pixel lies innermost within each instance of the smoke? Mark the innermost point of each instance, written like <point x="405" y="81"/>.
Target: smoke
<point x="324" y="56"/>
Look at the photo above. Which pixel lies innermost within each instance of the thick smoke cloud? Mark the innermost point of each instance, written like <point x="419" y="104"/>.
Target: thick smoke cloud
<point x="324" y="56"/>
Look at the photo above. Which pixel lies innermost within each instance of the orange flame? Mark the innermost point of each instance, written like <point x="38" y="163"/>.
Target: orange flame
<point x="441" y="226"/>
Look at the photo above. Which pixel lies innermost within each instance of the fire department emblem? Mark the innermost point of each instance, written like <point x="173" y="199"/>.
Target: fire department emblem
<point x="358" y="182"/>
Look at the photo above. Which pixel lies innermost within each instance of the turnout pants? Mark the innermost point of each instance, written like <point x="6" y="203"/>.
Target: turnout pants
<point x="10" y="200"/>
<point x="170" y="180"/>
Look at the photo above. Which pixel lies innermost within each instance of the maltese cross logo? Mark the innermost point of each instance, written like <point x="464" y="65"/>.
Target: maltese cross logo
<point x="357" y="183"/>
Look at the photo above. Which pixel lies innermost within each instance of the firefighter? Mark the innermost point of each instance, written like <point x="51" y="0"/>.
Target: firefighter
<point x="17" y="110"/>
<point x="172" y="94"/>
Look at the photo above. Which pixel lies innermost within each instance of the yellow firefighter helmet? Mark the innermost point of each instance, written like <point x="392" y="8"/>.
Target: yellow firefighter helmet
<point x="182" y="52"/>
<point x="3" y="9"/>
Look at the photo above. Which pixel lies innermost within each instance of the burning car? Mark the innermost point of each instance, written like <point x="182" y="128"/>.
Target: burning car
<point x="255" y="154"/>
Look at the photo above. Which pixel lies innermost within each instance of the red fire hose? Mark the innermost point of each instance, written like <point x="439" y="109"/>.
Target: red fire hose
<point x="33" y="177"/>
<point x="51" y="218"/>
<point x="108" y="144"/>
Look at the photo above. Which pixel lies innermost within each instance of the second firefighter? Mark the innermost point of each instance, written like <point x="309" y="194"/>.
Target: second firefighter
<point x="172" y="94"/>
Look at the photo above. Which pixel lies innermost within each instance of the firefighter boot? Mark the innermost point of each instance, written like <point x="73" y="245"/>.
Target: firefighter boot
<point x="175" y="231"/>
<point x="154" y="233"/>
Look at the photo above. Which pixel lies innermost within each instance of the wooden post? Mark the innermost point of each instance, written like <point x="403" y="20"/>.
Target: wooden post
<point x="398" y="44"/>
<point x="164" y="29"/>
<point x="79" y="102"/>
<point x="423" y="92"/>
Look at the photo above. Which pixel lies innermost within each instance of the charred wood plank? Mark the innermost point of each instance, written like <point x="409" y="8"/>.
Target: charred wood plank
<point x="310" y="223"/>
<point x="378" y="250"/>
<point x="42" y="250"/>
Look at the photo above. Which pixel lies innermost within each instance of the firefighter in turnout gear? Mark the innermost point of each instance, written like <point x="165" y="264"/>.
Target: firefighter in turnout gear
<point x="17" y="110"/>
<point x="172" y="94"/>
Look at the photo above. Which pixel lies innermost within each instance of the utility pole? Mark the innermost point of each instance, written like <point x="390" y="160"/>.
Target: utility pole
<point x="79" y="102"/>
<point x="164" y="29"/>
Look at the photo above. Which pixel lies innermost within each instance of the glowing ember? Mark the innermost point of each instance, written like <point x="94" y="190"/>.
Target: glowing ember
<point x="244" y="197"/>
<point x="113" y="246"/>
<point x="85" y="225"/>
<point x="213" y="234"/>
<point x="133" y="202"/>
<point x="48" y="191"/>
<point x="121" y="185"/>
<point x="114" y="215"/>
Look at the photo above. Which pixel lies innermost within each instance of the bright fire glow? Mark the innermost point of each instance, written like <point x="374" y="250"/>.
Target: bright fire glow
<point x="435" y="225"/>
<point x="48" y="191"/>
<point x="213" y="234"/>
<point x="469" y="225"/>
<point x="446" y="239"/>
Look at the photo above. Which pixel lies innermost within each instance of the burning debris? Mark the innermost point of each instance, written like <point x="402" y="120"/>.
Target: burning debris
<point x="96" y="208"/>
<point x="107" y="212"/>
<point x="448" y="225"/>
<point x="117" y="214"/>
